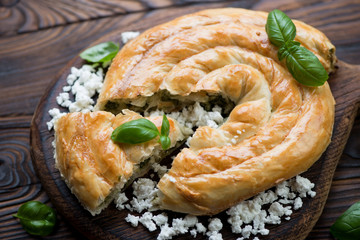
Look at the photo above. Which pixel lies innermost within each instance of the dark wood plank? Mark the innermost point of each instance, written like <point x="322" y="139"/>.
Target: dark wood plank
<point x="345" y="188"/>
<point x="19" y="184"/>
<point x="19" y="16"/>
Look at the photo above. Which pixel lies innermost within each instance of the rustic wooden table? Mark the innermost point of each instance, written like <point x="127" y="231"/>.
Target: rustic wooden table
<point x="38" y="38"/>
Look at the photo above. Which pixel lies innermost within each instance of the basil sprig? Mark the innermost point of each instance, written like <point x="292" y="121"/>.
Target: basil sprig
<point x="142" y="130"/>
<point x="36" y="218"/>
<point x="103" y="52"/>
<point x="304" y="66"/>
<point x="347" y="226"/>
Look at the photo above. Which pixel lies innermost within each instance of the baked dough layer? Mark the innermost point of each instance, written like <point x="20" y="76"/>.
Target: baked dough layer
<point x="94" y="167"/>
<point x="278" y="128"/>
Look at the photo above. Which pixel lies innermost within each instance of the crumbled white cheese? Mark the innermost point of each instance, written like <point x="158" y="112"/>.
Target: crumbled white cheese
<point x="298" y="203"/>
<point x="120" y="200"/>
<point x="249" y="218"/>
<point x="84" y="83"/>
<point x="160" y="170"/>
<point x="190" y="220"/>
<point x="193" y="233"/>
<point x="166" y="232"/>
<point x="178" y="224"/>
<point x="127" y="36"/>
<point x="55" y="115"/>
<point x="200" y="228"/>
<point x="303" y="186"/>
<point x="146" y="220"/>
<point x="194" y="116"/>
<point x="145" y="192"/>
<point x="161" y="219"/>
<point x="215" y="224"/>
<point x="214" y="235"/>
<point x="133" y="220"/>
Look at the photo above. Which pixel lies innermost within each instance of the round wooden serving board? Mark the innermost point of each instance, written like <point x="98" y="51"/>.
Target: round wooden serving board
<point x="110" y="224"/>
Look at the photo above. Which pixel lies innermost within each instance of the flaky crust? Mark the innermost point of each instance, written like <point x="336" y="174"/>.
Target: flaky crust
<point x="94" y="166"/>
<point x="278" y="128"/>
<point x="160" y="58"/>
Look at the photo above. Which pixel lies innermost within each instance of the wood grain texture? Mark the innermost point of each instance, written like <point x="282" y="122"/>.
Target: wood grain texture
<point x="18" y="181"/>
<point x="29" y="62"/>
<point x="32" y="15"/>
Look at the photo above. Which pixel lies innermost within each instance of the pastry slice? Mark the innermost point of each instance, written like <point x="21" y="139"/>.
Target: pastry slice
<point x="93" y="166"/>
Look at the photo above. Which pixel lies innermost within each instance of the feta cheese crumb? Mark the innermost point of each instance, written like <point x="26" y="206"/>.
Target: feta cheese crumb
<point x="179" y="226"/>
<point x="160" y="170"/>
<point x="252" y="214"/>
<point x="144" y="194"/>
<point x="84" y="83"/>
<point x="200" y="228"/>
<point x="303" y="186"/>
<point x="133" y="220"/>
<point x="161" y="219"/>
<point x="146" y="220"/>
<point x="193" y="232"/>
<point x="127" y="36"/>
<point x="298" y="203"/>
<point x="120" y="200"/>
<point x="190" y="220"/>
<point x="215" y="224"/>
<point x="56" y="115"/>
<point x="166" y="233"/>
<point x="214" y="235"/>
<point x="194" y="116"/>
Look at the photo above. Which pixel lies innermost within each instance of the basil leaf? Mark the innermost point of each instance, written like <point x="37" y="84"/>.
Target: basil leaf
<point x="36" y="218"/>
<point x="165" y="126"/>
<point x="165" y="130"/>
<point x="102" y="52"/>
<point x="165" y="142"/>
<point x="135" y="131"/>
<point x="280" y="28"/>
<point x="347" y="226"/>
<point x="305" y="66"/>
<point x="283" y="50"/>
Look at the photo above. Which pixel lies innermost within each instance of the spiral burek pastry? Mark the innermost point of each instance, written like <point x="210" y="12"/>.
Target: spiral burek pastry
<point x="277" y="129"/>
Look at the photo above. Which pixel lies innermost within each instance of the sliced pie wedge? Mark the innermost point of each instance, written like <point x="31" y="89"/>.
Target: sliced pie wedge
<point x="93" y="166"/>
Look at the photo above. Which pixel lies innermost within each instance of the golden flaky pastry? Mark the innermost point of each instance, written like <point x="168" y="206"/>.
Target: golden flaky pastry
<point x="94" y="167"/>
<point x="277" y="129"/>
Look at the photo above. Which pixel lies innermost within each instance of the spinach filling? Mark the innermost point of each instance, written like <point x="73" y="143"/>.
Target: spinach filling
<point x="166" y="102"/>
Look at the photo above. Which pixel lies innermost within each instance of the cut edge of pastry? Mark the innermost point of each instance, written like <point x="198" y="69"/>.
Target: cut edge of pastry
<point x="138" y="169"/>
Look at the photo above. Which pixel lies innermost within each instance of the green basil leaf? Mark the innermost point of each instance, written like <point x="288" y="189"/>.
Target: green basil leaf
<point x="165" y="126"/>
<point x="305" y="66"/>
<point x="100" y="53"/>
<point x="36" y="218"/>
<point x="165" y="130"/>
<point x="280" y="28"/>
<point x="135" y="131"/>
<point x="283" y="53"/>
<point x="347" y="226"/>
<point x="283" y="50"/>
<point x="165" y="142"/>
